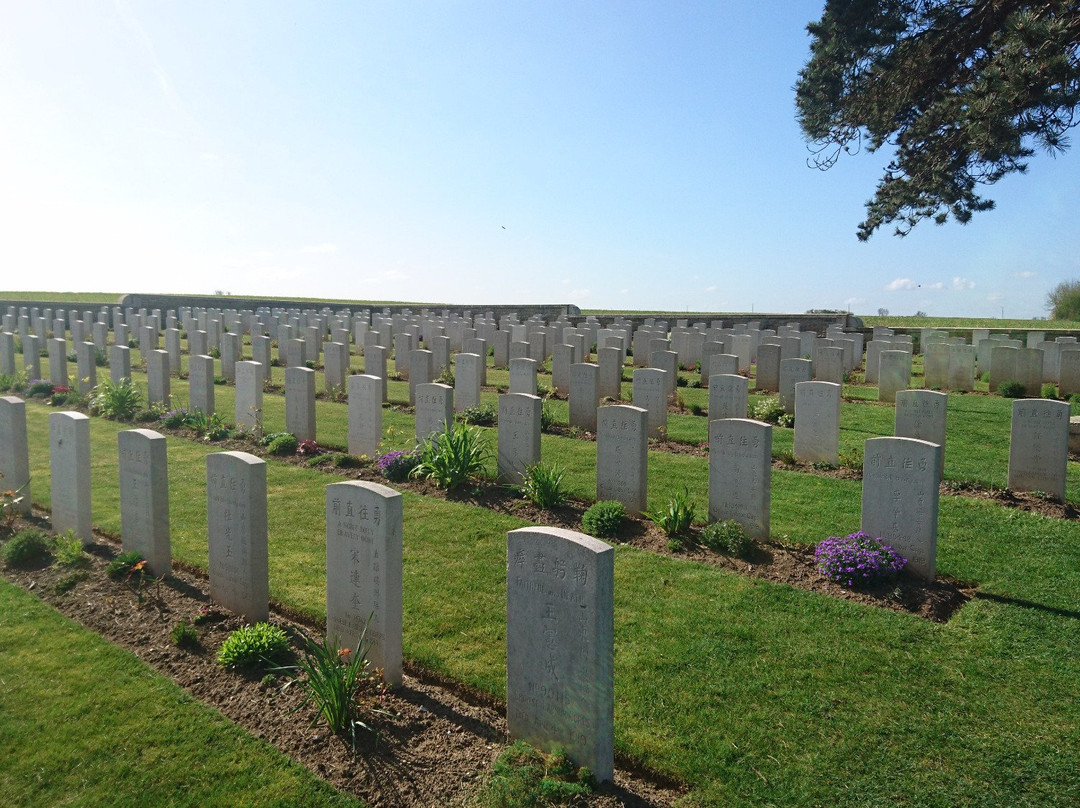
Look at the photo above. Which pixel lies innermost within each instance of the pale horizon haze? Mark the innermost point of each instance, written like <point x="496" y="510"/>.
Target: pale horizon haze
<point x="641" y="156"/>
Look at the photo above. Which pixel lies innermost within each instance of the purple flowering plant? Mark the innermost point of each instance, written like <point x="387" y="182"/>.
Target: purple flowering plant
<point x="397" y="465"/>
<point x="857" y="559"/>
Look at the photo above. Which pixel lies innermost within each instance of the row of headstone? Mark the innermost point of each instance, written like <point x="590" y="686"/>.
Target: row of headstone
<point x="560" y="606"/>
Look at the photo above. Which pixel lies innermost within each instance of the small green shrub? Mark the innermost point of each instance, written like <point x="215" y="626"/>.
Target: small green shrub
<point x="254" y="646"/>
<point x="1010" y="388"/>
<point x="68" y="550"/>
<point x="208" y="426"/>
<point x="543" y="485"/>
<point x="525" y="777"/>
<point x="184" y="635"/>
<point x="283" y="445"/>
<point x="676" y="517"/>
<point x="604" y="519"/>
<point x="450" y="457"/>
<point x="38" y="388"/>
<point x="767" y="410"/>
<point x="118" y="401"/>
<point x="174" y="419"/>
<point x="125" y="565"/>
<point x="547" y="416"/>
<point x="727" y="537"/>
<point x="483" y="415"/>
<point x="26" y="547"/>
<point x="1049" y="390"/>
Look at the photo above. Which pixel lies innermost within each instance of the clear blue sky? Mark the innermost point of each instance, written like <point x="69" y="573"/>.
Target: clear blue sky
<point x="613" y="155"/>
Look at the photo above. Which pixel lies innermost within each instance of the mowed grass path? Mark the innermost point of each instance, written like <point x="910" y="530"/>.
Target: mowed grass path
<point x="751" y="692"/>
<point x="83" y="722"/>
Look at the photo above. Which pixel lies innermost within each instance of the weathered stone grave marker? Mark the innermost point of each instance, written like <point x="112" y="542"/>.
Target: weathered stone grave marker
<point x="560" y="644"/>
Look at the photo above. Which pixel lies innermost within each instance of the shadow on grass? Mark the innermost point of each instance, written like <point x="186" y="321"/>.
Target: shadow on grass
<point x="1027" y="604"/>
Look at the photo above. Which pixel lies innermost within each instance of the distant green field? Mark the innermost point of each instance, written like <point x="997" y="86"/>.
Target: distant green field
<point x="967" y="322"/>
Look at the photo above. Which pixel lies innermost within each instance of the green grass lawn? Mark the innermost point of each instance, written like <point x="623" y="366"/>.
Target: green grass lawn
<point x="750" y="692"/>
<point x="83" y="722"/>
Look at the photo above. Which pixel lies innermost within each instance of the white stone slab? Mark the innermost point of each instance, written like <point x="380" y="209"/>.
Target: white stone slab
<point x="434" y="409"/>
<point x="817" y="422"/>
<point x="920" y="414"/>
<point x="14" y="451"/>
<point x="518" y="435"/>
<point x="69" y="469"/>
<point x="300" y="403"/>
<point x="248" y="399"/>
<point x="740" y="473"/>
<point x="1039" y="446"/>
<point x="363" y="571"/>
<point x="622" y="444"/>
<point x="560" y="644"/>
<point x="236" y="529"/>
<point x="900" y="498"/>
<point x="584" y="395"/>
<point x="144" y="497"/>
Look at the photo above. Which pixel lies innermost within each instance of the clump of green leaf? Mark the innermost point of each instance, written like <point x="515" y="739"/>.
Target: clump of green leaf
<point x="767" y="410"/>
<point x="1011" y="389"/>
<point x="259" y="645"/>
<point x="451" y="457"/>
<point x="282" y="444"/>
<point x="184" y="635"/>
<point x="209" y="426"/>
<point x="543" y="485"/>
<point x="120" y="401"/>
<point x="68" y="550"/>
<point x="482" y="415"/>
<point x="26" y="547"/>
<point x="604" y="519"/>
<point x="334" y="679"/>
<point x="125" y="566"/>
<point x="525" y="777"/>
<point x="547" y="416"/>
<point x="676" y="516"/>
<point x="727" y="537"/>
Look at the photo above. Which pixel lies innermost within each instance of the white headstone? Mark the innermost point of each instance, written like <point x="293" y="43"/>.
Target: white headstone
<point x="622" y="444"/>
<point x="523" y="376"/>
<point x="236" y="527"/>
<point x="201" y="383"/>
<point x="740" y="473"/>
<point x="69" y="468"/>
<point x="900" y="498"/>
<point x="434" y="409"/>
<point x="363" y="571"/>
<point x="14" y="451"/>
<point x="365" y="414"/>
<point x="650" y="394"/>
<point x="249" y="391"/>
<point x="817" y="422"/>
<point x="560" y="644"/>
<point x="728" y="394"/>
<point x="894" y="373"/>
<point x="144" y="497"/>
<point x="467" y="372"/>
<point x="584" y="395"/>
<point x="1039" y="446"/>
<point x="157" y="376"/>
<point x="300" y="402"/>
<point x="921" y="414"/>
<point x="518" y="435"/>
